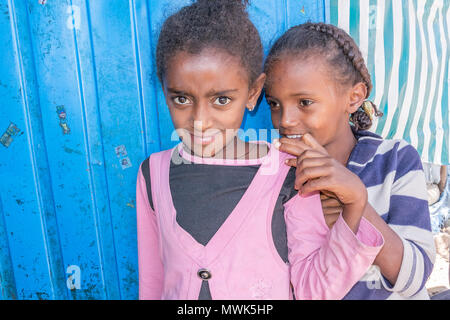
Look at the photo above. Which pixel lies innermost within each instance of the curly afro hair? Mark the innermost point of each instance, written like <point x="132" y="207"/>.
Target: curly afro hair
<point x="218" y="24"/>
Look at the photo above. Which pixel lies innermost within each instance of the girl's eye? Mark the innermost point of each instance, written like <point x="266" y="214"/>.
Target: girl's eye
<point x="305" y="102"/>
<point x="181" y="100"/>
<point x="222" y="101"/>
<point x="273" y="105"/>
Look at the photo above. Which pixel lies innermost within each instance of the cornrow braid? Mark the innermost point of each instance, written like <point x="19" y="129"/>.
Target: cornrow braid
<point x="349" y="48"/>
<point x="341" y="52"/>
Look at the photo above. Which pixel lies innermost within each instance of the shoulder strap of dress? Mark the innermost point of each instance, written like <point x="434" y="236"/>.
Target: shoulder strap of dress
<point x="159" y="173"/>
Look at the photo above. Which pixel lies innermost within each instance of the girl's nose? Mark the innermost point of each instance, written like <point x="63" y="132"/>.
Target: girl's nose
<point x="289" y="118"/>
<point x="201" y="117"/>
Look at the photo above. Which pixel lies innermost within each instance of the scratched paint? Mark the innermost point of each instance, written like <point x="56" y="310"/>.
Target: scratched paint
<point x="62" y="115"/>
<point x="121" y="152"/>
<point x="7" y="137"/>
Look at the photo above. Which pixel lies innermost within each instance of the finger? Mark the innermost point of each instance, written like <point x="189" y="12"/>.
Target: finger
<point x="324" y="196"/>
<point x="291" y="162"/>
<point x="331" y="202"/>
<point x="312" y="185"/>
<point x="309" y="140"/>
<point x="312" y="154"/>
<point x="292" y="146"/>
<point x="331" y="219"/>
<point x="289" y="148"/>
<point x="336" y="209"/>
<point x="309" y="174"/>
<point x="295" y="142"/>
<point x="331" y="210"/>
<point x="329" y="194"/>
<point x="311" y="162"/>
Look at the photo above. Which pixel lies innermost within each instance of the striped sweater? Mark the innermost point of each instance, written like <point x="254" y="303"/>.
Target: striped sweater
<point x="392" y="172"/>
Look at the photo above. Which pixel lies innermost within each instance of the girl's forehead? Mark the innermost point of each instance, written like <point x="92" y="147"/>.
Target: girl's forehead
<point x="205" y="70"/>
<point x="301" y="63"/>
<point x="209" y="64"/>
<point x="207" y="56"/>
<point x="298" y="71"/>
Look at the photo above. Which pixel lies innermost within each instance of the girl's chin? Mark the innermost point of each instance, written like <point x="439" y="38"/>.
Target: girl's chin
<point x="203" y="150"/>
<point x="209" y="148"/>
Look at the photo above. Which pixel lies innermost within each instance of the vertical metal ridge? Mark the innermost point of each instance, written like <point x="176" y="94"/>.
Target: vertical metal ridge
<point x="155" y="91"/>
<point x="61" y="272"/>
<point x="99" y="123"/>
<point x="286" y="15"/>
<point x="7" y="279"/>
<point x="88" y="158"/>
<point x="52" y="270"/>
<point x="326" y="11"/>
<point x="136" y="51"/>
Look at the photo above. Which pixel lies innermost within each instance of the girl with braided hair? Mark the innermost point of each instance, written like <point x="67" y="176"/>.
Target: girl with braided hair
<point x="211" y="223"/>
<point x="317" y="85"/>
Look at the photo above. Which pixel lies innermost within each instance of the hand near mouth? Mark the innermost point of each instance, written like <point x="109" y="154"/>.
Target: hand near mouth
<point x="296" y="144"/>
<point x="293" y="145"/>
<point x="318" y="171"/>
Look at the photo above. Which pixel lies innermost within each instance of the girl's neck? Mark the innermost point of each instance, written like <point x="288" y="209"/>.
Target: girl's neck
<point x="341" y="147"/>
<point x="238" y="149"/>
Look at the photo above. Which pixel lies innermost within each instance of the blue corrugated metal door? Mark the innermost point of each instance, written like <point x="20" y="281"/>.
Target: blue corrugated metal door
<point x="81" y="107"/>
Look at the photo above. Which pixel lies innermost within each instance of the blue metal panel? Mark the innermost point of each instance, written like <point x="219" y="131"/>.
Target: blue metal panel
<point x="81" y="107"/>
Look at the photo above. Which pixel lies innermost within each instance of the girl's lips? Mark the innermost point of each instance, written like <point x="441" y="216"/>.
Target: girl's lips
<point x="203" y="140"/>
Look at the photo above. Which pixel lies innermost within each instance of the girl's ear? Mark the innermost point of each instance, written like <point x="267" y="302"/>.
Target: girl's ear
<point x="255" y="90"/>
<point x="357" y="96"/>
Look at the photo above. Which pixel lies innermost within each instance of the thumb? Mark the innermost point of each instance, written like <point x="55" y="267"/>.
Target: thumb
<point x="310" y="141"/>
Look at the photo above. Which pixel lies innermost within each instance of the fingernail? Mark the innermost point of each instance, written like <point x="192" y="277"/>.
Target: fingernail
<point x="276" y="143"/>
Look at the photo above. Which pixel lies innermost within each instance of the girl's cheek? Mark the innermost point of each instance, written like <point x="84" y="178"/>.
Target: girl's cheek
<point x="232" y="119"/>
<point x="275" y="120"/>
<point x="179" y="117"/>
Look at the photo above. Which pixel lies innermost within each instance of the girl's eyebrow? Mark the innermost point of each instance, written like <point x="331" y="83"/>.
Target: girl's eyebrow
<point x="176" y="91"/>
<point x="301" y="94"/>
<point x="223" y="92"/>
<point x="209" y="93"/>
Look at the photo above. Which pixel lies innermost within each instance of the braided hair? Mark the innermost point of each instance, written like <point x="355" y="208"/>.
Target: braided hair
<point x="340" y="51"/>
<point x="217" y="24"/>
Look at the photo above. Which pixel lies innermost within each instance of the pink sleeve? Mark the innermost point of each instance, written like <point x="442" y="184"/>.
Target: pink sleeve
<point x="326" y="264"/>
<point x="149" y="259"/>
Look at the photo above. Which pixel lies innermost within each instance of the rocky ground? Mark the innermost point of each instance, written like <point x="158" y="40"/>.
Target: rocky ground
<point x="439" y="278"/>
